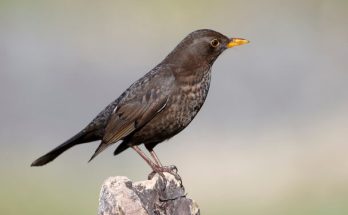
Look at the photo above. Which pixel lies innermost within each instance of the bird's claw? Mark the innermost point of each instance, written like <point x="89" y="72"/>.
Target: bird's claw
<point x="173" y="170"/>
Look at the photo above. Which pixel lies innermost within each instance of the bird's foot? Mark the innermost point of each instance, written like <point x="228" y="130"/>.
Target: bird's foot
<point x="173" y="170"/>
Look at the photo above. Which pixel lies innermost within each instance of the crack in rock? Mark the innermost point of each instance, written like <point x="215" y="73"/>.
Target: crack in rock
<point x="120" y="196"/>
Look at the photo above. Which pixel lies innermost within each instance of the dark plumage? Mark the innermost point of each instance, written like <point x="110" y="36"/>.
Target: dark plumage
<point x="160" y="104"/>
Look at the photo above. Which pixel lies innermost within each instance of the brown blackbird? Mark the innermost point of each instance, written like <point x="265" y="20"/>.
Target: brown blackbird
<point x="160" y="104"/>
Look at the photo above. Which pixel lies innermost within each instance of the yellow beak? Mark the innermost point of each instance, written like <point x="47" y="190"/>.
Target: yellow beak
<point x="236" y="42"/>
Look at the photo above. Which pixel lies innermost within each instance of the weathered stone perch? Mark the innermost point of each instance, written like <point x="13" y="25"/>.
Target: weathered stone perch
<point x="120" y="196"/>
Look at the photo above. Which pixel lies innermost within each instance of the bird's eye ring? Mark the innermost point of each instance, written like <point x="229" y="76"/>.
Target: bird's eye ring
<point x="215" y="43"/>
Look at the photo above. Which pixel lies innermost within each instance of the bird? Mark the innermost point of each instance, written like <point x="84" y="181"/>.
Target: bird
<point x="157" y="106"/>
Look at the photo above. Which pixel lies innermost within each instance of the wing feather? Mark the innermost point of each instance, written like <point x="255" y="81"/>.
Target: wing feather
<point x="141" y="103"/>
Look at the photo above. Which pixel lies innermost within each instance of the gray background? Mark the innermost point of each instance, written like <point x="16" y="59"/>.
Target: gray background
<point x="270" y="139"/>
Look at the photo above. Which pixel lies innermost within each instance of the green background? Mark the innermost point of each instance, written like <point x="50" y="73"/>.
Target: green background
<point x="270" y="139"/>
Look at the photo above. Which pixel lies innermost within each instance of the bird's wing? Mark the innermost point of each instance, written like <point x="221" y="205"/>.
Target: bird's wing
<point x="133" y="115"/>
<point x="141" y="102"/>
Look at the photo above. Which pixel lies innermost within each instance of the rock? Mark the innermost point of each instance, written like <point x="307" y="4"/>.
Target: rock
<point x="120" y="196"/>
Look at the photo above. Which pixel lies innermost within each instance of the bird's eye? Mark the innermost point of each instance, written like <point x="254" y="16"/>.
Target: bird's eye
<point x="215" y="43"/>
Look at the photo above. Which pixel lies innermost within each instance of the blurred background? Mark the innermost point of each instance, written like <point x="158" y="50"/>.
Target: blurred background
<point x="270" y="139"/>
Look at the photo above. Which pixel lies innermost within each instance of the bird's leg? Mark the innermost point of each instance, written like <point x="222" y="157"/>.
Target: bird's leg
<point x="149" y="147"/>
<point x="157" y="161"/>
<point x="153" y="166"/>
<point x="170" y="169"/>
<point x="154" y="156"/>
<point x="143" y="155"/>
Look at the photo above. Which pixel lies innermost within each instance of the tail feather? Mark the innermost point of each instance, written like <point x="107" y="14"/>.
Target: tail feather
<point x="123" y="146"/>
<point x="100" y="148"/>
<point x="50" y="156"/>
<point x="79" y="138"/>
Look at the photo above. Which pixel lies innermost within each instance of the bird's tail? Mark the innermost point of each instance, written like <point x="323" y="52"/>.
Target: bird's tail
<point x="79" y="138"/>
<point x="102" y="146"/>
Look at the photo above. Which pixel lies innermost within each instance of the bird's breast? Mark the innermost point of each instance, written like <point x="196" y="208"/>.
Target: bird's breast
<point x="185" y="102"/>
<point x="183" y="105"/>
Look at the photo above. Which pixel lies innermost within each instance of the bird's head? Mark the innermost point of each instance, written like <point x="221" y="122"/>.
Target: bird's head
<point x="201" y="48"/>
